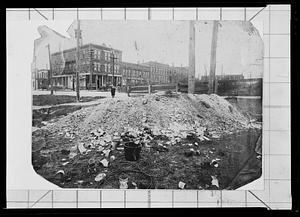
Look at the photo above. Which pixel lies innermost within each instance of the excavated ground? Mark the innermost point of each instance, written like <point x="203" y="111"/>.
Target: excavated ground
<point x="200" y="140"/>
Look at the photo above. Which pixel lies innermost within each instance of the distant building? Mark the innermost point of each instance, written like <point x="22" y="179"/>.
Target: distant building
<point x="163" y="74"/>
<point x="96" y="69"/>
<point x="43" y="78"/>
<point x="134" y="74"/>
<point x="224" y="77"/>
<point x="96" y="64"/>
<point x="182" y="74"/>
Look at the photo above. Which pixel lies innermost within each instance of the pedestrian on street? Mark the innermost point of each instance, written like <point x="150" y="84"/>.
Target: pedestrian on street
<point x="113" y="91"/>
<point x="128" y="90"/>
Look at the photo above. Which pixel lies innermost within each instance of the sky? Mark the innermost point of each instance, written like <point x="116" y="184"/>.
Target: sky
<point x="167" y="42"/>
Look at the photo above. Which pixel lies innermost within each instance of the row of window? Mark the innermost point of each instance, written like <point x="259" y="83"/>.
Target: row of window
<point x="135" y="73"/>
<point x="106" y="67"/>
<point x="42" y="75"/>
<point x="107" y="55"/>
<point x="161" y="71"/>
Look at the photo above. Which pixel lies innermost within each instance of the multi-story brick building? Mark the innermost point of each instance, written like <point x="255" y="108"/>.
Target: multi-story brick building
<point x="97" y="67"/>
<point x="160" y="73"/>
<point x="134" y="74"/>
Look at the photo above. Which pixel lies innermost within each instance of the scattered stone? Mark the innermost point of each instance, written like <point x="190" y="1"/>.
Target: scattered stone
<point x="65" y="163"/>
<point x="104" y="162"/>
<point x="145" y="101"/>
<point x="60" y="172"/>
<point x="106" y="152"/>
<point x="205" y="104"/>
<point x="81" y="148"/>
<point x="72" y="155"/>
<point x="215" y="181"/>
<point x="134" y="184"/>
<point x="123" y="181"/>
<point x="181" y="185"/>
<point x="100" y="148"/>
<point x="100" y="177"/>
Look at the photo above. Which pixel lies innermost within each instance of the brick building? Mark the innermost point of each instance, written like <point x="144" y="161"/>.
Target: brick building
<point x="43" y="78"/>
<point x="134" y="74"/>
<point x="96" y="67"/>
<point x="160" y="73"/>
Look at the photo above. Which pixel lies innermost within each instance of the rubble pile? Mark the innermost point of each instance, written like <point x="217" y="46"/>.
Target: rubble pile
<point x="168" y="115"/>
<point x="169" y="127"/>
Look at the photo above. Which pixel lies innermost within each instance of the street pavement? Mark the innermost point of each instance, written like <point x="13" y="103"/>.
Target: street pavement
<point x="83" y="93"/>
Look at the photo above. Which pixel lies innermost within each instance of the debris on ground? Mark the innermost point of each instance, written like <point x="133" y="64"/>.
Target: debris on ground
<point x="60" y="172"/>
<point x="104" y="162"/>
<point x="100" y="177"/>
<point x="181" y="135"/>
<point x="181" y="185"/>
<point x="215" y="181"/>
<point x="81" y="148"/>
<point x="123" y="182"/>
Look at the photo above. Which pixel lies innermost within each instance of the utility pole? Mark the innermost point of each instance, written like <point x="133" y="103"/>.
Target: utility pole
<point x="50" y="68"/>
<point x="78" y="36"/>
<point x="212" y="70"/>
<point x="91" y="68"/>
<point x="113" y="58"/>
<point x="35" y="72"/>
<point x="191" y="76"/>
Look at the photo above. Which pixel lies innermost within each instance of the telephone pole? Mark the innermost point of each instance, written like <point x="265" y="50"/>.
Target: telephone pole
<point x="113" y="58"/>
<point x="212" y="71"/>
<point x="191" y="75"/>
<point x="78" y="36"/>
<point x="35" y="72"/>
<point x="51" y="80"/>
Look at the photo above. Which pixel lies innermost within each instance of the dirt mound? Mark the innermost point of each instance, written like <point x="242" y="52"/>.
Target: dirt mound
<point x="175" y="112"/>
<point x="181" y="134"/>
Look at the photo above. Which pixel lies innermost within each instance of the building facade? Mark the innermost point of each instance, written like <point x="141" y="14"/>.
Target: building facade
<point x="160" y="73"/>
<point x="134" y="74"/>
<point x="43" y="78"/>
<point x="99" y="65"/>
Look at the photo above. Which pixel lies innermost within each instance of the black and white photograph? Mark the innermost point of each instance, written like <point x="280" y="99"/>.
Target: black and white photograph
<point x="148" y="104"/>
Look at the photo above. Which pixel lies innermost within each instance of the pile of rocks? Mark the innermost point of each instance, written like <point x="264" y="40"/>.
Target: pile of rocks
<point x="174" y="117"/>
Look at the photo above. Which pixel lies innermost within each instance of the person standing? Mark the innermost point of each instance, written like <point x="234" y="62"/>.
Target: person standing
<point x="113" y="91"/>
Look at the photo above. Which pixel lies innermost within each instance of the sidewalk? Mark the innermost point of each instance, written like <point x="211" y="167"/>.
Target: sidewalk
<point x="83" y="93"/>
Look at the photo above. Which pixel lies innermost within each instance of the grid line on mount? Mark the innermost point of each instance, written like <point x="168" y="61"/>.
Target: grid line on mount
<point x="269" y="173"/>
<point x="150" y="201"/>
<point x="122" y="201"/>
<point x="97" y="9"/>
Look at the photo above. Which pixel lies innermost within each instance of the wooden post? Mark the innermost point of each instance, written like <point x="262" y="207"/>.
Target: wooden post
<point x="91" y="71"/>
<point x="191" y="77"/>
<point x="50" y="68"/>
<point x="77" y="61"/>
<point x="212" y="70"/>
